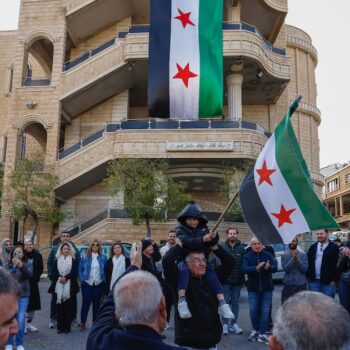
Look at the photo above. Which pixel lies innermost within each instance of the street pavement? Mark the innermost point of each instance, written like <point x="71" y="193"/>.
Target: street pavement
<point x="47" y="338"/>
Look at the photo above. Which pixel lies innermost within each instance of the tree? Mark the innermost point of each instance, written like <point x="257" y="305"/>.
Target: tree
<point x="1" y="185"/>
<point x="232" y="180"/>
<point x="30" y="194"/>
<point x="148" y="191"/>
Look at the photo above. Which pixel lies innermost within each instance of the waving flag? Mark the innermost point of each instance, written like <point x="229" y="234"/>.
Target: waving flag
<point x="185" y="68"/>
<point x="277" y="196"/>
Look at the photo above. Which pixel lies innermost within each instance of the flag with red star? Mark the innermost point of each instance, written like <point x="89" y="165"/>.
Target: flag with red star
<point x="185" y="66"/>
<point x="277" y="196"/>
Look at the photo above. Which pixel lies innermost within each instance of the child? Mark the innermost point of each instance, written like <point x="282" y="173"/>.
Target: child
<point x="194" y="234"/>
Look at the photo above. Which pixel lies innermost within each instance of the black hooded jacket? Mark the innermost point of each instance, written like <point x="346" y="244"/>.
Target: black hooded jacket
<point x="192" y="239"/>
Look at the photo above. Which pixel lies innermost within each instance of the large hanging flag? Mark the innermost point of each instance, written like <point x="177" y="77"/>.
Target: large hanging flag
<point x="277" y="196"/>
<point x="185" y="68"/>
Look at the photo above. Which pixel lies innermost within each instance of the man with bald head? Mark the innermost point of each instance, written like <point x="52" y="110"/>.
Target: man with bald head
<point x="259" y="266"/>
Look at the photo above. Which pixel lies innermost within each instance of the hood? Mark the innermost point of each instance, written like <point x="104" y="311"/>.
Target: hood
<point x="5" y="254"/>
<point x="192" y="210"/>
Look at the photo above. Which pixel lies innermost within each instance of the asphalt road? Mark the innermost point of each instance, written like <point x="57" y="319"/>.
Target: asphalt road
<point x="47" y="338"/>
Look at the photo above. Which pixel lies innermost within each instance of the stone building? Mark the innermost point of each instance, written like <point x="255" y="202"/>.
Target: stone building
<point x="336" y="193"/>
<point x="73" y="83"/>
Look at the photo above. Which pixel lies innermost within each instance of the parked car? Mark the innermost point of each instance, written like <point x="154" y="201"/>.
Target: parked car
<point x="106" y="248"/>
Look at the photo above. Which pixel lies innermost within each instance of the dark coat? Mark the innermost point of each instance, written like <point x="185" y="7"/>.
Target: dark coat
<point x="109" y="272"/>
<point x="192" y="239"/>
<point x="37" y="261"/>
<point x="203" y="330"/>
<point x="259" y="281"/>
<point x="329" y="263"/>
<point x="236" y="277"/>
<point x="107" y="334"/>
<point x="74" y="287"/>
<point x="148" y="264"/>
<point x="343" y="266"/>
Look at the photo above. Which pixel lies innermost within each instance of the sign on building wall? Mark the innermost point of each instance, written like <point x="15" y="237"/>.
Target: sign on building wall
<point x="200" y="146"/>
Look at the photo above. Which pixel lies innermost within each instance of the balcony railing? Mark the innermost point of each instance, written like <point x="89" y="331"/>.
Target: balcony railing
<point x="136" y="29"/>
<point x="116" y="213"/>
<point x="169" y="124"/>
<point x="29" y="81"/>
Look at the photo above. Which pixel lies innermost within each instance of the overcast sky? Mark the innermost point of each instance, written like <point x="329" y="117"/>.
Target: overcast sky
<point x="327" y="24"/>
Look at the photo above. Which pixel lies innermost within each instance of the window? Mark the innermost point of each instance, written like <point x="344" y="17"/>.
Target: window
<point x="332" y="185"/>
<point x="347" y="178"/>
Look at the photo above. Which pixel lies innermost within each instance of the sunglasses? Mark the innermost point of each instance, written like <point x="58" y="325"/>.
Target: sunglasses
<point x="95" y="245"/>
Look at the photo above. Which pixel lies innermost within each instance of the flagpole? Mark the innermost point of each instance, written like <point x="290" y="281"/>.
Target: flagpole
<point x="225" y="211"/>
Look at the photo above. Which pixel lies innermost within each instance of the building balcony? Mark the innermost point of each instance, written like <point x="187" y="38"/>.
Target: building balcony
<point x="294" y="41"/>
<point x="266" y="15"/>
<point x="121" y="63"/>
<point x="85" y="163"/>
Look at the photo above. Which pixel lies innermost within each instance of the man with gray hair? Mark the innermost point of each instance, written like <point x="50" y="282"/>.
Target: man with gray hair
<point x="311" y="321"/>
<point x="9" y="292"/>
<point x="134" y="315"/>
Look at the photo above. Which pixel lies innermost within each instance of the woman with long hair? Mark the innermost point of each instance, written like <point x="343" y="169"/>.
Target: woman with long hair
<point x="64" y="285"/>
<point x="22" y="270"/>
<point x="116" y="265"/>
<point x="92" y="278"/>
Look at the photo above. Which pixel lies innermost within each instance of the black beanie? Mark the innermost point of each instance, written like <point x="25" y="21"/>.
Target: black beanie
<point x="146" y="243"/>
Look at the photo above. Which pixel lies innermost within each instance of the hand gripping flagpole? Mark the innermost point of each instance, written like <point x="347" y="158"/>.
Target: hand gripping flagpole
<point x="225" y="211"/>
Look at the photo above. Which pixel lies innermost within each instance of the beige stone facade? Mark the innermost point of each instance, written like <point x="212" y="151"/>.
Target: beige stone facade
<point x="73" y="79"/>
<point x="336" y="194"/>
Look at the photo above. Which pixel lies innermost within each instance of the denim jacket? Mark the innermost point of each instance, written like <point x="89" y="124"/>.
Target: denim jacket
<point x="85" y="267"/>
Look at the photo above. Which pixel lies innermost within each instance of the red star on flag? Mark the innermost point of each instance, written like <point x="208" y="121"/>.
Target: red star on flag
<point x="284" y="216"/>
<point x="184" y="18"/>
<point x="265" y="174"/>
<point x="184" y="73"/>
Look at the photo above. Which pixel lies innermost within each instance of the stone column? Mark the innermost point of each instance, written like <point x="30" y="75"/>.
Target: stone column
<point x="234" y="96"/>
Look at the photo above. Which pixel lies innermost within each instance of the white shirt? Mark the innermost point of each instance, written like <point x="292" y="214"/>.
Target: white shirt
<point x="95" y="276"/>
<point x="319" y="256"/>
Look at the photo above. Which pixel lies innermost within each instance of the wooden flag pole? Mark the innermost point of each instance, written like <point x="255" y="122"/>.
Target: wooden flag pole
<point x="225" y="211"/>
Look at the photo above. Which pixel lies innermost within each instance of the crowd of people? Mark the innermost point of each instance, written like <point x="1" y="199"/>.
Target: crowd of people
<point x="192" y="274"/>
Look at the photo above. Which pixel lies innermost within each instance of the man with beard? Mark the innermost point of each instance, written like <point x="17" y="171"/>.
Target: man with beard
<point x="295" y="265"/>
<point x="34" y="300"/>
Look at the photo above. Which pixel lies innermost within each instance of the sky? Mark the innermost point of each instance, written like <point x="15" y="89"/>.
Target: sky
<point x="327" y="24"/>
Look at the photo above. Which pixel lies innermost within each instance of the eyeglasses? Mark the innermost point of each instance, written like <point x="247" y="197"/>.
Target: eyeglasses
<point x="256" y="244"/>
<point x="199" y="260"/>
<point x="95" y="245"/>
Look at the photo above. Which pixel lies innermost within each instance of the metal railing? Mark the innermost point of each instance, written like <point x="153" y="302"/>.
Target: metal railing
<point x="144" y="28"/>
<point x="29" y="81"/>
<point x="169" y="124"/>
<point x="116" y="213"/>
<point x="249" y="28"/>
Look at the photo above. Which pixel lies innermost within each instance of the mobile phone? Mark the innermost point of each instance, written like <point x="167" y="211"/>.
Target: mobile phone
<point x="17" y="255"/>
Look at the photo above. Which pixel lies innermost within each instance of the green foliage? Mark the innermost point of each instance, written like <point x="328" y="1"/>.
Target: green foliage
<point x="232" y="180"/>
<point x="148" y="191"/>
<point x="31" y="192"/>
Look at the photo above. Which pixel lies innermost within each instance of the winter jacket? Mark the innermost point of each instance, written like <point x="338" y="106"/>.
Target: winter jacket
<point x="85" y="267"/>
<point x="107" y="334"/>
<point x="343" y="269"/>
<point x="22" y="275"/>
<point x="109" y="272"/>
<point x="236" y="276"/>
<point x="148" y="264"/>
<point x="203" y="330"/>
<point x="329" y="263"/>
<point x="192" y="239"/>
<point x="259" y="281"/>
<point x="294" y="270"/>
<point x="74" y="287"/>
<point x="52" y="257"/>
<point x="37" y="261"/>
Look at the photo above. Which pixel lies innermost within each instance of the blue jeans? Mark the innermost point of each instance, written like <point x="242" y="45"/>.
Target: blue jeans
<point x="91" y="294"/>
<point x="232" y="294"/>
<point x="21" y="317"/>
<point x="327" y="289"/>
<point x="344" y="294"/>
<point x="259" y="306"/>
